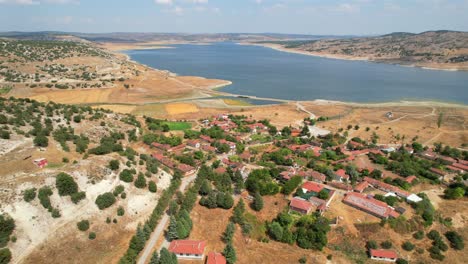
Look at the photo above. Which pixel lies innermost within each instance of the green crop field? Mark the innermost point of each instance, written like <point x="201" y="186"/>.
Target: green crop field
<point x="177" y="125"/>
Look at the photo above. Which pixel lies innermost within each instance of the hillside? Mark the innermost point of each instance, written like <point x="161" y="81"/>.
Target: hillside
<point x="73" y="70"/>
<point x="433" y="49"/>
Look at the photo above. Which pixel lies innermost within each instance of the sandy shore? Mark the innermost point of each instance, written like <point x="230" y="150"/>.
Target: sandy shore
<point x="279" y="47"/>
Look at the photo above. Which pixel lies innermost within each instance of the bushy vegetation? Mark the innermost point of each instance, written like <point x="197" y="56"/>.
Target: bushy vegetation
<point x="7" y="225"/>
<point x="105" y="200"/>
<point x="83" y="225"/>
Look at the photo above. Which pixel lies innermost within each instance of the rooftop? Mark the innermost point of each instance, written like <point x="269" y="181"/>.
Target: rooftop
<point x="187" y="247"/>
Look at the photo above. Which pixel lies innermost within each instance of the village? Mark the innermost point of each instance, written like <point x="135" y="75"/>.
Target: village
<point x="320" y="171"/>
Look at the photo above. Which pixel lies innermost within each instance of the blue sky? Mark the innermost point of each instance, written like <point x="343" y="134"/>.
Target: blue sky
<point x="339" y="17"/>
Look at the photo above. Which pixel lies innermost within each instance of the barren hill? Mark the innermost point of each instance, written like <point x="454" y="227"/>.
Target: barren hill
<point x="433" y="49"/>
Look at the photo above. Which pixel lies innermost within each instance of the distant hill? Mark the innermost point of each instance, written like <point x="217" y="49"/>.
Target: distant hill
<point x="435" y="49"/>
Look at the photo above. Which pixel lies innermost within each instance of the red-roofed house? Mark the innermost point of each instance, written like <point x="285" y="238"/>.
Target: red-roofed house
<point x="383" y="254"/>
<point x="186" y="169"/>
<point x="313" y="175"/>
<point x="387" y="187"/>
<point x="300" y="205"/>
<point x="341" y="175"/>
<point x="410" y="179"/>
<point x="370" y="205"/>
<point x="161" y="146"/>
<point x="191" y="249"/>
<point x="41" y="163"/>
<point x="438" y="172"/>
<point x="208" y="148"/>
<point x="220" y="170"/>
<point x="206" y="138"/>
<point x="177" y="148"/>
<point x="312" y="187"/>
<point x="194" y="143"/>
<point x="215" y="258"/>
<point x="361" y="186"/>
<point x="460" y="166"/>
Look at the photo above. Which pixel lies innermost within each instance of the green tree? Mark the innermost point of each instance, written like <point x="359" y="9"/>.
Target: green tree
<point x="65" y="184"/>
<point x="7" y="225"/>
<point x="205" y="188"/>
<point x="105" y="200"/>
<point x="154" y="258"/>
<point x="371" y="244"/>
<point x="238" y="212"/>
<point x="83" y="225"/>
<point x="172" y="230"/>
<point x="92" y="236"/>
<point x="440" y="119"/>
<point x="386" y="244"/>
<point x="5" y="255"/>
<point x="152" y="187"/>
<point x="229" y="232"/>
<point x="456" y="240"/>
<point x="29" y="194"/>
<point x="408" y="246"/>
<point x="41" y="140"/>
<point x="140" y="181"/>
<point x="257" y="203"/>
<point x="275" y="230"/>
<point x="167" y="257"/>
<point x="120" y="211"/>
<point x="114" y="164"/>
<point x="230" y="254"/>
<point x="323" y="194"/>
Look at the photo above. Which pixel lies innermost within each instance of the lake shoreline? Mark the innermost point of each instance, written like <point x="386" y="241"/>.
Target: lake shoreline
<point x="281" y="48"/>
<point x="218" y="89"/>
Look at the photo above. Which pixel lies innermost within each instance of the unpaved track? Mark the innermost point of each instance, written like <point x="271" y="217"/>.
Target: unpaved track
<point x="159" y="230"/>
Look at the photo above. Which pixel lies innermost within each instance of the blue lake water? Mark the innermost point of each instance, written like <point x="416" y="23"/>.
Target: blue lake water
<point x="265" y="72"/>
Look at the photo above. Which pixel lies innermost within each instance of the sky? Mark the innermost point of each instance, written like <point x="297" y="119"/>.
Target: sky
<point x="316" y="17"/>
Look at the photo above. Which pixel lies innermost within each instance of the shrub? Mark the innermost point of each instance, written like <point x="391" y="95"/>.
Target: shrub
<point x="408" y="246"/>
<point x="433" y="235"/>
<point x="55" y="213"/>
<point x="118" y="190"/>
<point x="152" y="187"/>
<point x="114" y="164"/>
<point x="5" y="255"/>
<point x="386" y="244"/>
<point x="371" y="244"/>
<point x="83" y="225"/>
<point x="120" y="211"/>
<point x="140" y="181"/>
<point x="108" y="220"/>
<point x="401" y="261"/>
<point x="77" y="197"/>
<point x="456" y="240"/>
<point x="43" y="194"/>
<point x="29" y="194"/>
<point x="7" y="225"/>
<point x="105" y="200"/>
<point x="257" y="203"/>
<point x="126" y="175"/>
<point x="65" y="184"/>
<point x="419" y="235"/>
<point x="92" y="236"/>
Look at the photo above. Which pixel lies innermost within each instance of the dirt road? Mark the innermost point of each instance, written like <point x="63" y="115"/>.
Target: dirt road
<point x="159" y="230"/>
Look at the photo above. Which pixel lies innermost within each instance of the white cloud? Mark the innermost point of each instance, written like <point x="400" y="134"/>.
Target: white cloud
<point x="19" y="2"/>
<point x="198" y="1"/>
<point x="62" y="2"/>
<point x="348" y="8"/>
<point x="164" y="2"/>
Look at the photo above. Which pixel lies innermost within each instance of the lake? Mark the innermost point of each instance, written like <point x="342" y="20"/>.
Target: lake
<point x="264" y="72"/>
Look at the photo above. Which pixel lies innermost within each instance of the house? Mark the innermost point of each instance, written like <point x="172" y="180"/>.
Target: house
<point x="341" y="175"/>
<point x="361" y="186"/>
<point x="188" y="249"/>
<point x="295" y="132"/>
<point x="341" y="186"/>
<point x="312" y="187"/>
<point x="206" y="138"/>
<point x="288" y="174"/>
<point x="300" y="205"/>
<point x="438" y="172"/>
<point x="370" y="205"/>
<point x="194" y="143"/>
<point x="410" y="179"/>
<point x="389" y="115"/>
<point x="220" y="170"/>
<point x="245" y="156"/>
<point x="386" y="187"/>
<point x="208" y="148"/>
<point x="460" y="166"/>
<point x="300" y="148"/>
<point x="186" y="169"/>
<point x="160" y="146"/>
<point x="215" y="258"/>
<point x="383" y="254"/>
<point x="177" y="149"/>
<point x="414" y="198"/>
<point x="257" y="127"/>
<point x="313" y="175"/>
<point x="41" y="162"/>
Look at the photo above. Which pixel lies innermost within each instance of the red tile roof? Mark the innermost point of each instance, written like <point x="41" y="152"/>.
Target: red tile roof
<point x="437" y="171"/>
<point x="410" y="179"/>
<point x="161" y="146"/>
<point x="370" y="205"/>
<point x="187" y="247"/>
<point x="342" y="174"/>
<point x="387" y="187"/>
<point x="185" y="168"/>
<point x="312" y="186"/>
<point x="301" y="204"/>
<point x="383" y="253"/>
<point x="460" y="166"/>
<point x="361" y="186"/>
<point x="215" y="258"/>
